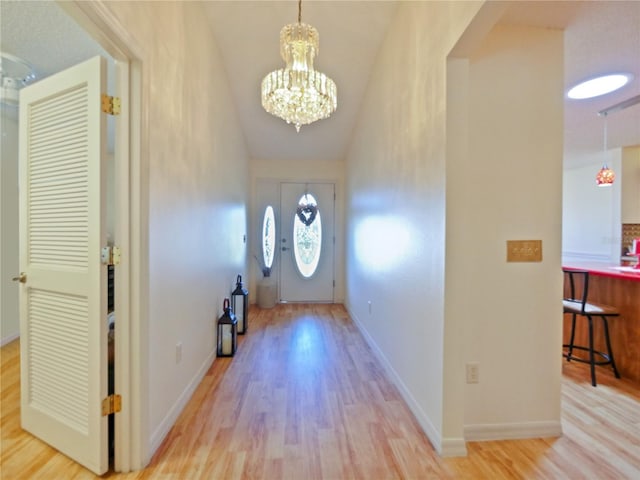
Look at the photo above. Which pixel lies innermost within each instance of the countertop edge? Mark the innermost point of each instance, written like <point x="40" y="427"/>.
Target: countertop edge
<point x="604" y="270"/>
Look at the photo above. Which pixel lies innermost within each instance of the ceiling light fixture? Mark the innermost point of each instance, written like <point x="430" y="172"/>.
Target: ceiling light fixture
<point x="299" y="94"/>
<point x="15" y="73"/>
<point x="599" y="86"/>
<point x="605" y="176"/>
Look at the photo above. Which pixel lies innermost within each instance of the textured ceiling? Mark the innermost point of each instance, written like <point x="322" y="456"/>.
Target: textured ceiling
<point x="601" y="36"/>
<point x="45" y="36"/>
<point x="604" y="38"/>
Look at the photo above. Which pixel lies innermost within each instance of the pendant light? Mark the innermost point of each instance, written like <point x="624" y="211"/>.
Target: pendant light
<point x="299" y="94"/>
<point x="605" y="176"/>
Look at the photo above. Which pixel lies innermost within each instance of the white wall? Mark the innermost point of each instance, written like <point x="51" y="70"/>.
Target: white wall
<point x="509" y="187"/>
<point x="410" y="202"/>
<point x="395" y="243"/>
<point x="591" y="219"/>
<point x="266" y="176"/>
<point x="198" y="196"/>
<point x="630" y="185"/>
<point x="9" y="307"/>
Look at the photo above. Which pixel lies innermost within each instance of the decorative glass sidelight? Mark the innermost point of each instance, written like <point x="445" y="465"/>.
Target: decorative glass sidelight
<point x="307" y="235"/>
<point x="268" y="238"/>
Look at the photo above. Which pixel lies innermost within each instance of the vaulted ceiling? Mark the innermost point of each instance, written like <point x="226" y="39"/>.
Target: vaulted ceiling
<point x="601" y="36"/>
<point x="248" y="36"/>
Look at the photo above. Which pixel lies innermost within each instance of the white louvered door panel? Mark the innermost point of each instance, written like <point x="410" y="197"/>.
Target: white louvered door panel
<point x="63" y="327"/>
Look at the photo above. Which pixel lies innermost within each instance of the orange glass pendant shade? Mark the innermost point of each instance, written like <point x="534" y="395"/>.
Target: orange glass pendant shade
<point x="605" y="177"/>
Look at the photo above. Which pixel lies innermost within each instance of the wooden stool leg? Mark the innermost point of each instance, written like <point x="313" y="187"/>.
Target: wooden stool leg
<point x="609" y="350"/>
<point x="592" y="362"/>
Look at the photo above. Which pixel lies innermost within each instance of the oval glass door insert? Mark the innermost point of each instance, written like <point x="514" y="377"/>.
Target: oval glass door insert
<point x="268" y="237"/>
<point x="307" y="235"/>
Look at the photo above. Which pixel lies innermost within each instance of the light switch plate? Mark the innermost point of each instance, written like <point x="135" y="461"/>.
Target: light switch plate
<point x="524" y="250"/>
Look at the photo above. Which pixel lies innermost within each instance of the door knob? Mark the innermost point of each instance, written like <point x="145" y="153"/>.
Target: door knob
<point x="22" y="278"/>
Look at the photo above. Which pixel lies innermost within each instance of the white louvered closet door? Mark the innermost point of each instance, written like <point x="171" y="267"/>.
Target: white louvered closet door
<point x="63" y="327"/>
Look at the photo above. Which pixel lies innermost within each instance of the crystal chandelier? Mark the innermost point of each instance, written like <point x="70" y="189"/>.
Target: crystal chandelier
<point x="297" y="93"/>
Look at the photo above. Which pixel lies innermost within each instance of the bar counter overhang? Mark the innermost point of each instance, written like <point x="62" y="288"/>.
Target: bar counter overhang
<point x="619" y="287"/>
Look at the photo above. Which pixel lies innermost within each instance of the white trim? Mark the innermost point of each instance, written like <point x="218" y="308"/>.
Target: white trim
<point x="9" y="338"/>
<point x="174" y="412"/>
<point x="139" y="234"/>
<point x="452" y="445"/>
<point x="510" y="431"/>
<point x="131" y="230"/>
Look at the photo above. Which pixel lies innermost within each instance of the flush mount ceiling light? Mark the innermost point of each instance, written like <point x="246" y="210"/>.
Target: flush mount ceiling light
<point x="599" y="86"/>
<point x="299" y="94"/>
<point x="15" y="73"/>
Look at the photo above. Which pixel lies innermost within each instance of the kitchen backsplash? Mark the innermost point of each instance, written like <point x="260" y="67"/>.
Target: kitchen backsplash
<point x="629" y="232"/>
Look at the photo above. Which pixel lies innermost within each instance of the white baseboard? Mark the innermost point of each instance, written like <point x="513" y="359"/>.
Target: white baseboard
<point x="9" y="339"/>
<point x="425" y="423"/>
<point x="170" y="419"/>
<point x="453" y="447"/>
<point x="456" y="447"/>
<point x="510" y="431"/>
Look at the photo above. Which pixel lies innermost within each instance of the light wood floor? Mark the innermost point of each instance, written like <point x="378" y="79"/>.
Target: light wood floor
<point x="304" y="398"/>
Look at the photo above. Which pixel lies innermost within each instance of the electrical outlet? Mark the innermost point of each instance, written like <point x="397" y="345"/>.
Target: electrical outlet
<point x="473" y="372"/>
<point x="178" y="352"/>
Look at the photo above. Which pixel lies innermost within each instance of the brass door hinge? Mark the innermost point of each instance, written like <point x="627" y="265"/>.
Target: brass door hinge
<point x="110" y="255"/>
<point x="111" y="404"/>
<point x="110" y="105"/>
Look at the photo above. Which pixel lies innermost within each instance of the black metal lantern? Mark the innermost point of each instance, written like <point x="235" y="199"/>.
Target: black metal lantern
<point x="227" y="332"/>
<point x="240" y="306"/>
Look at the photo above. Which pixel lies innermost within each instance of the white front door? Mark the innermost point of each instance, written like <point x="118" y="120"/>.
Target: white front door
<point x="63" y="302"/>
<point x="307" y="242"/>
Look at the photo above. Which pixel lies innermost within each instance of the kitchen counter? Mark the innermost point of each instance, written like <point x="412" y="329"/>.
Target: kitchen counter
<point x="606" y="269"/>
<point x="619" y="287"/>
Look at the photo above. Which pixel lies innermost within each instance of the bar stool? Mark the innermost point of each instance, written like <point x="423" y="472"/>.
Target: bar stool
<point x="579" y="305"/>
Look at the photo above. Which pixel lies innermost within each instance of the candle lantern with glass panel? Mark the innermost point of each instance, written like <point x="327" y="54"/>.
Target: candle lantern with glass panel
<point x="227" y="331"/>
<point x="240" y="306"/>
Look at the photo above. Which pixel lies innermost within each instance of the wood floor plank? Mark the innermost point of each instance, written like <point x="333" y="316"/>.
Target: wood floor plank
<point x="305" y="398"/>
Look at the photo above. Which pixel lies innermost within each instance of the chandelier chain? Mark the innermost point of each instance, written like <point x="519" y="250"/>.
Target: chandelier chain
<point x="299" y="11"/>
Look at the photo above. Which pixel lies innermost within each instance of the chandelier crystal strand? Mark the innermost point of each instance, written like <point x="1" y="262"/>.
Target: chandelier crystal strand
<point x="298" y="93"/>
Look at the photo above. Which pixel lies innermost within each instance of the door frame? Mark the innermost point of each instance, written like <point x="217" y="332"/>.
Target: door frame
<point x="265" y="182"/>
<point x="131" y="228"/>
<point x="332" y="239"/>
